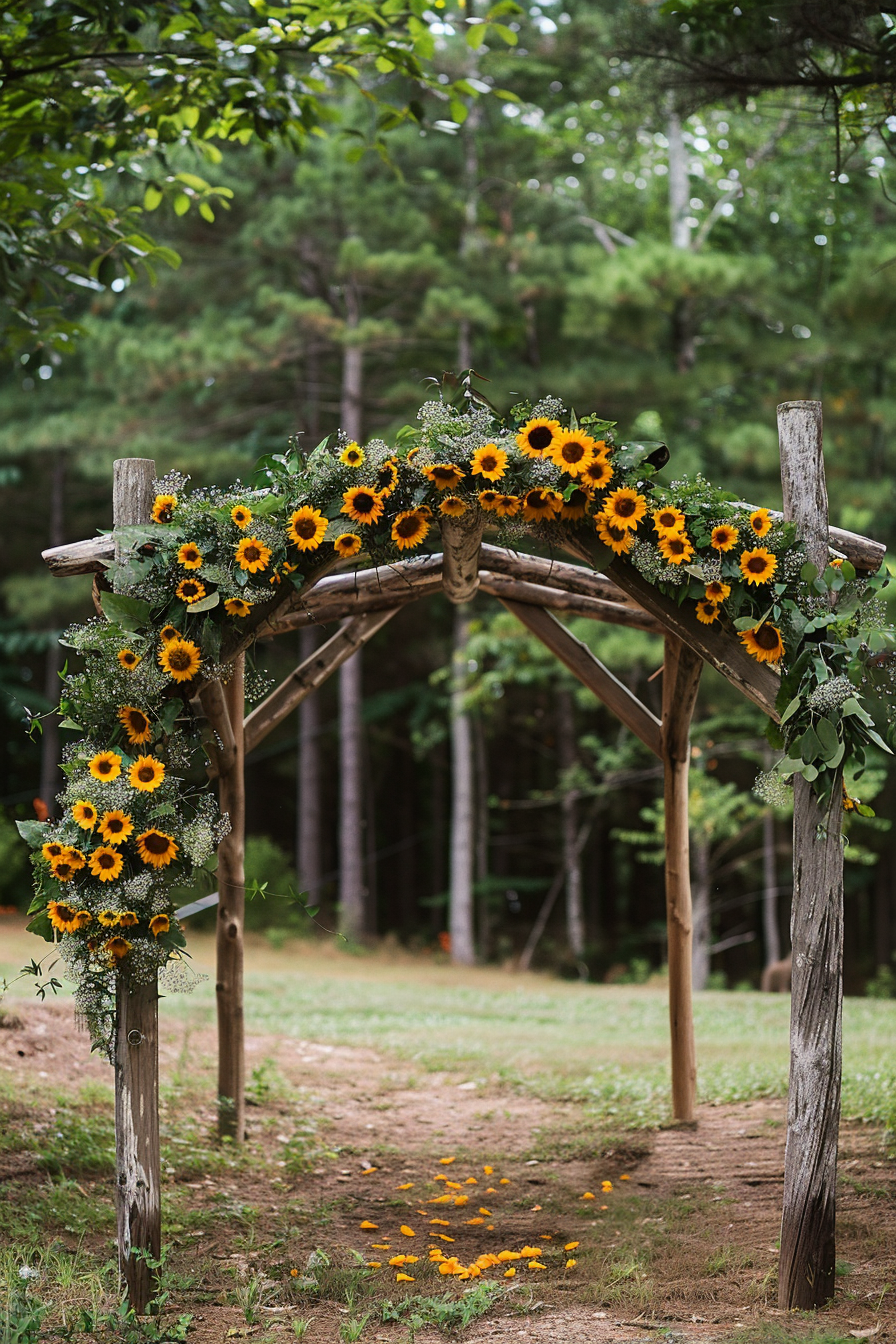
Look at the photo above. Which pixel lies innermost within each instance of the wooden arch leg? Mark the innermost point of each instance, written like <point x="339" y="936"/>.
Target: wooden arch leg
<point x="681" y="678"/>
<point x="231" y="915"/>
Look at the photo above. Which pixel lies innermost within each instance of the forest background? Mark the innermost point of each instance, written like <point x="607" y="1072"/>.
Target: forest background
<point x="680" y="275"/>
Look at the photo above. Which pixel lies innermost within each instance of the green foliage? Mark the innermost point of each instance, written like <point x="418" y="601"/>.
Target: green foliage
<point x="445" y="1312"/>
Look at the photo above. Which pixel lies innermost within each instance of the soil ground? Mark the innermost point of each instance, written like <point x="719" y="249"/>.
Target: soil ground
<point x="682" y="1247"/>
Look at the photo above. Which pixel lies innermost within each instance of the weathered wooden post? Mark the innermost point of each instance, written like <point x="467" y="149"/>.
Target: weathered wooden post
<point x="136" y="1060"/>
<point x="681" y="679"/>
<point x="231" y="915"/>
<point x="807" y="1260"/>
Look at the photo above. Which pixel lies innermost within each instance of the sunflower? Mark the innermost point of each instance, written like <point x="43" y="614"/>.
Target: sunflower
<point x="109" y="918"/>
<point x="169" y="632"/>
<point x="717" y="591"/>
<point x="577" y="504"/>
<point x="128" y="659"/>
<point x="760" y="522"/>
<point x="412" y="453"/>
<point x="409" y="529"/>
<point x="597" y="475"/>
<point x="180" y="658"/>
<point x="128" y="919"/>
<point x="190" y="590"/>
<point x="602" y="450"/>
<point x="235" y="606"/>
<point x="724" y="536"/>
<point x="541" y="505"/>
<point x="668" y="519"/>
<point x="362" y="504"/>
<point x="106" y="863"/>
<point x="508" y="506"/>
<point x="387" y="477"/>
<point x="676" y="548"/>
<point x="159" y="924"/>
<point x="66" y="918"/>
<point x="63" y="869"/>
<point x="758" y="566"/>
<point x="444" y="475"/>
<point x="537" y="436"/>
<point x="163" y="507"/>
<point x="52" y="850"/>
<point x="106" y="765"/>
<point x="307" y="527"/>
<point x="146" y="773"/>
<point x="115" y="827"/>
<point x="707" y="611"/>
<point x="490" y="462"/>
<point x="625" y="507"/>
<point x="117" y="948"/>
<point x="619" y="539"/>
<point x="347" y="544"/>
<point x="488" y="500"/>
<point x="572" y="452"/>
<point x="74" y="857"/>
<point x="135" y="723"/>
<point x="252" y="554"/>
<point x="157" y="848"/>
<point x="189" y="556"/>
<point x="352" y="455"/>
<point x="84" y="814"/>
<point x="763" y="642"/>
<point x="241" y="516"/>
<point x="452" y="506"/>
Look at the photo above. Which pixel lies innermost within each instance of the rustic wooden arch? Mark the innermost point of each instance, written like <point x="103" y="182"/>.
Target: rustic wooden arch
<point x="532" y="588"/>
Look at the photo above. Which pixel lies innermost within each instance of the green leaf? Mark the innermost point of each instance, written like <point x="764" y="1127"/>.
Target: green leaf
<point x="809" y="572"/>
<point x="152" y="198"/>
<point x="848" y="571"/>
<point x="205" y="603"/>
<point x="809" y="745"/>
<point x="476" y="35"/>
<point x="828" y="737"/>
<point x="70" y="723"/>
<point x="41" y="926"/>
<point x="791" y="709"/>
<point x="207" y="212"/>
<point x="33" y="833"/>
<point x="129" y="612"/>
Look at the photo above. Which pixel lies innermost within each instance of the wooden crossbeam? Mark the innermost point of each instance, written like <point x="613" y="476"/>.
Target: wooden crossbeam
<point x="342" y="595"/>
<point x="591" y="672"/>
<point x="554" y="573"/>
<point x="559" y="599"/>
<point x="311" y="674"/>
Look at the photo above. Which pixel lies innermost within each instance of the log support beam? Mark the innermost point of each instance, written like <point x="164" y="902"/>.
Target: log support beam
<point x="231" y="912"/>
<point x="461" y="540"/>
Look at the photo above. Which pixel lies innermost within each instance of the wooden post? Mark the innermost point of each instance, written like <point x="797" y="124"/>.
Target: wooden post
<point x="231" y="912"/>
<point x="136" y="1060"/>
<point x="681" y="678"/>
<point x="461" y="540"/>
<point x="807" y="1261"/>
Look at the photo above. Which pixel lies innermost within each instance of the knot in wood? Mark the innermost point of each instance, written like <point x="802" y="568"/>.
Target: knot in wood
<point x="135" y="1037"/>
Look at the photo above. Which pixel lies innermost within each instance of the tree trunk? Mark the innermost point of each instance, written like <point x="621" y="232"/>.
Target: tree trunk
<point x="483" y="904"/>
<point x="701" y="922"/>
<point x="351" y="857"/>
<point x="684" y="348"/>
<point x="572" y="858"/>
<point x="49" y="747"/>
<point x="770" y="929"/>
<point x="231" y="918"/>
<point x="309" y="868"/>
<point x="462" y="826"/>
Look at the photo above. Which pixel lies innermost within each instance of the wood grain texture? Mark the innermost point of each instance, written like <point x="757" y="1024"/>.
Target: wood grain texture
<point x="231" y="919"/>
<point x="558" y="599"/>
<point x="92" y="556"/>
<point x="222" y="748"/>
<point x="591" y="672"/>
<point x="461" y="540"/>
<point x="338" y="606"/>
<point x="807" y="1262"/>
<point x="681" y="681"/>
<point x="555" y="573"/>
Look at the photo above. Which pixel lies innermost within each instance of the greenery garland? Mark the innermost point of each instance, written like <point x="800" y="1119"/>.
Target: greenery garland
<point x="213" y="562"/>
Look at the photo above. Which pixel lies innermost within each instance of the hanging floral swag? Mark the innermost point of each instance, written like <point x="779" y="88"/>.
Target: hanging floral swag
<point x="193" y="584"/>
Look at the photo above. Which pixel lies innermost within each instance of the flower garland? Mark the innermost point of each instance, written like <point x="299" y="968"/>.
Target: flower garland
<point x="214" y="562"/>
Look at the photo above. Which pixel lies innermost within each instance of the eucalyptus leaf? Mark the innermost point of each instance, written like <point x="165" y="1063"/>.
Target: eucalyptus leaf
<point x="791" y="709"/>
<point x="129" y="612"/>
<point x="34" y="833"/>
<point x="810" y="747"/>
<point x="828" y="737"/>
<point x="206" y="603"/>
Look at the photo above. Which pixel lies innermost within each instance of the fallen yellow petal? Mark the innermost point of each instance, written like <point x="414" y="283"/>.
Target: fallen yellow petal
<point x="571" y="1245"/>
<point x="379" y="1245"/>
<point x="509" y="1255"/>
<point x="453" y="1185"/>
<point x="606" y="1186"/>
<point x="398" y="1260"/>
<point x="509" y="1273"/>
<point x="441" y="1236"/>
<point x="488" y="1170"/>
<point x="446" y="1161"/>
<point x="368" y="1171"/>
<point x="536" y="1264"/>
<point x="369" y="1227"/>
<point x="461" y="1199"/>
<point x="475" y="1222"/>
<point x="409" y="1186"/>
<point x="604" y="1208"/>
<point x="503" y="1181"/>
<point x="404" y="1278"/>
<point x="407" y="1231"/>
<point x="443" y="1222"/>
<point x="487" y="1212"/>
<point x="587" y="1195"/>
<point x="471" y="1180"/>
<point x="491" y="1190"/>
<point x="625" y="1178"/>
<point x="440" y="1199"/>
<point x="570" y="1264"/>
<point x="531" y="1250"/>
<point x="411" y="1259"/>
<point x="374" y="1264"/>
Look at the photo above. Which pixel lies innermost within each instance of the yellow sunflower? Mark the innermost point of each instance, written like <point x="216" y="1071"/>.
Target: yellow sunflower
<point x="115" y="827"/>
<point x="241" y="516"/>
<point x="668" y="519"/>
<point x="452" y="506"/>
<point x="163" y="507"/>
<point x="717" y="591"/>
<point x="362" y="504"/>
<point x="84" y="814"/>
<point x="541" y="505"/>
<point x="169" y="632"/>
<point x="159" y="924"/>
<point x="409" y="529"/>
<point x="760" y="522"/>
<point x="412" y="453"/>
<point x="707" y="611"/>
<point x="619" y="539"/>
<point x="602" y="450"/>
<point x="508" y="506"/>
<point x="573" y="452"/>
<point x="347" y="544"/>
<point x="625" y="507"/>
<point x="106" y="863"/>
<point x="252" y="554"/>
<point x="352" y="455"/>
<point x="387" y="477"/>
<point x="106" y="765"/>
<point x="74" y="857"/>
<point x="189" y="556"/>
<point x="488" y="500"/>
<point x="157" y="848"/>
<point x="307" y="527"/>
<point x="724" y="536"/>
<point x="135" y="724"/>
<point x="109" y="918"/>
<point x="190" y="590"/>
<point x="758" y="566"/>
<point x="52" y="850"/>
<point x="489" y="462"/>
<point x="763" y="642"/>
<point x="128" y="919"/>
<point x="117" y="948"/>
<point x="235" y="606"/>
<point x="536" y="436"/>
<point x="444" y="475"/>
<point x="128" y="659"/>
<point x="180" y="658"/>
<point x="577" y="504"/>
<point x="598" y="474"/>
<point x="63" y="869"/>
<point x="66" y="918"/>
<point x="146" y="773"/>
<point x="676" y="548"/>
